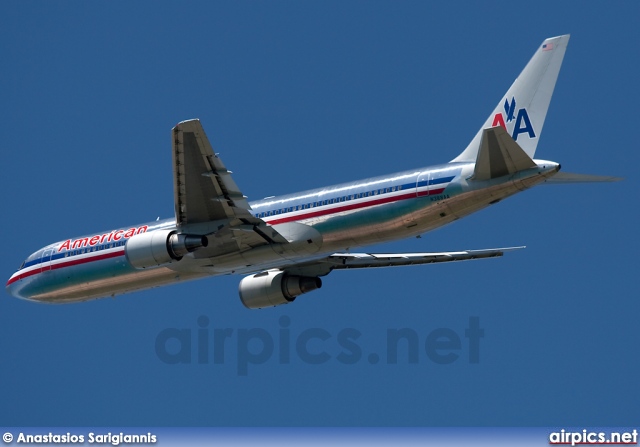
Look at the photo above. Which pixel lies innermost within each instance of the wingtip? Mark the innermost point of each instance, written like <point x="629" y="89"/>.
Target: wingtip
<point x="556" y="40"/>
<point x="193" y="120"/>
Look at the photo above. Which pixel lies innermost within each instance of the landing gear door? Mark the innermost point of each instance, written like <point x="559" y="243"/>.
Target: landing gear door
<point x="422" y="184"/>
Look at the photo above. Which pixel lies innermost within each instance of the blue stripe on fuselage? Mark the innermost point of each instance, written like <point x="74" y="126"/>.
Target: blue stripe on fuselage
<point x="339" y="196"/>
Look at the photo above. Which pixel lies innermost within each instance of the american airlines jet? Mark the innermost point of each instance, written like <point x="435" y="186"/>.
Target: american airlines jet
<point x="286" y="244"/>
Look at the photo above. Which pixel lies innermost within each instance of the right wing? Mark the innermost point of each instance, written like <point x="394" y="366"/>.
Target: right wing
<point x="342" y="261"/>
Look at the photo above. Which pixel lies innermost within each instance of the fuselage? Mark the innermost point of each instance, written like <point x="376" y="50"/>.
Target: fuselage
<point x="341" y="217"/>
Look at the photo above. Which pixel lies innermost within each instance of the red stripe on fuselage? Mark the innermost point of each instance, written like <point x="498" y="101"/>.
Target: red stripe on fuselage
<point x="432" y="192"/>
<point x="66" y="264"/>
<point x="353" y="206"/>
<point x="338" y="209"/>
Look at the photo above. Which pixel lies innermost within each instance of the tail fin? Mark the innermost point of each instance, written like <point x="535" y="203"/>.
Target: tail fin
<point x="524" y="107"/>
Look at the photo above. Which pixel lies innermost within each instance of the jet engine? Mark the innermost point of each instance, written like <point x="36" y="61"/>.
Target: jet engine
<point x="274" y="287"/>
<point x="155" y="248"/>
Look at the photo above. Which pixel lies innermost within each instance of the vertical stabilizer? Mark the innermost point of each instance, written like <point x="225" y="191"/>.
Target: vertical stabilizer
<point x="522" y="110"/>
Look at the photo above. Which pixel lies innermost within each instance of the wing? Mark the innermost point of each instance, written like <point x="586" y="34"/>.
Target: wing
<point x="203" y="188"/>
<point x="206" y="196"/>
<point x="341" y="261"/>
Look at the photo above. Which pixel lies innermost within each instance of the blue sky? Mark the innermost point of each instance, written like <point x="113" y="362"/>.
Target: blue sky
<point x="296" y="95"/>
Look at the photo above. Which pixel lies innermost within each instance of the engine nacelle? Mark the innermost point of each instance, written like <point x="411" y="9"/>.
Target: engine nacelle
<point x="160" y="247"/>
<point x="274" y="287"/>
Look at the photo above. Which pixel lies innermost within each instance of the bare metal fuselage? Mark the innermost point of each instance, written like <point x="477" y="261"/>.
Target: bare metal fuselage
<point x="340" y="217"/>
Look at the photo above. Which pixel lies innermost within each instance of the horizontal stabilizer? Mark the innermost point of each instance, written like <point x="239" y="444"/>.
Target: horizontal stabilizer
<point x="499" y="155"/>
<point x="568" y="177"/>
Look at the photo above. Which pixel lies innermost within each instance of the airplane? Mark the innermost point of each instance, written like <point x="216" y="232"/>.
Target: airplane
<point x="286" y="244"/>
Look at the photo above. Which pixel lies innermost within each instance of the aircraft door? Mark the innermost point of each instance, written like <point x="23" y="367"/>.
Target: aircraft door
<point x="422" y="184"/>
<point x="45" y="265"/>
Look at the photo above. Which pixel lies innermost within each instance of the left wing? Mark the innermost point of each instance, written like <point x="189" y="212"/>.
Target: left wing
<point x="205" y="192"/>
<point x="203" y="188"/>
<point x="340" y="261"/>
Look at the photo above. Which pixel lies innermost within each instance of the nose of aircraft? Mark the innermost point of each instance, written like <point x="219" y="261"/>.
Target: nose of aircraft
<point x="8" y="288"/>
<point x="12" y="286"/>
